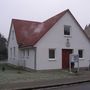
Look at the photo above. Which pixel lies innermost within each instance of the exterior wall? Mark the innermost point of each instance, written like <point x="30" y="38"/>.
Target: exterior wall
<point x="87" y="30"/>
<point x="29" y="60"/>
<point x="11" y="44"/>
<point x="18" y="58"/>
<point x="55" y="38"/>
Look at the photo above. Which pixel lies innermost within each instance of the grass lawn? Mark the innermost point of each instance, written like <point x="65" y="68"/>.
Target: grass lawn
<point x="11" y="75"/>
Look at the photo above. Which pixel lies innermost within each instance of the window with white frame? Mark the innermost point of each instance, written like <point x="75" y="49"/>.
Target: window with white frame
<point x="23" y="53"/>
<point x="11" y="52"/>
<point x="27" y="52"/>
<point x="67" y="30"/>
<point x="51" y="53"/>
<point x="12" y="34"/>
<point x="80" y="53"/>
<point x="14" y="51"/>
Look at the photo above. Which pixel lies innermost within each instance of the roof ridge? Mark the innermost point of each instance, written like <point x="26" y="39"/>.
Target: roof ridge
<point x="25" y="20"/>
<point x="50" y="22"/>
<point x="63" y="12"/>
<point x="30" y="32"/>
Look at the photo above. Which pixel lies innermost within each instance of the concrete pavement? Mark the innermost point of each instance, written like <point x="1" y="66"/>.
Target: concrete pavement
<point x="80" y="86"/>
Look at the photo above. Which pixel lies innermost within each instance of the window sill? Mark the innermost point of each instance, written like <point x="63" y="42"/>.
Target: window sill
<point x="52" y="59"/>
<point x="81" y="58"/>
<point x="68" y="36"/>
<point x="28" y="57"/>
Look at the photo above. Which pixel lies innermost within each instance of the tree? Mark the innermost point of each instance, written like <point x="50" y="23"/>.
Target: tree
<point x="3" y="47"/>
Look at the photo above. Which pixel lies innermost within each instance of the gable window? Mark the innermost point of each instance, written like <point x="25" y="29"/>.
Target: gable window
<point x="51" y="53"/>
<point x="12" y="35"/>
<point x="66" y="30"/>
<point x="80" y="53"/>
<point x="14" y="52"/>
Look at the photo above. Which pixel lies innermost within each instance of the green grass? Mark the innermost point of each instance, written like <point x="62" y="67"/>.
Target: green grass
<point x="11" y="75"/>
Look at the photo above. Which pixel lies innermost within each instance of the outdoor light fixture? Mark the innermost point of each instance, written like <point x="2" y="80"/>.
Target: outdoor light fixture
<point x="67" y="43"/>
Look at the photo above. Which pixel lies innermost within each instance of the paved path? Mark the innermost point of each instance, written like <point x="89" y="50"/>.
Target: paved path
<point x="82" y="77"/>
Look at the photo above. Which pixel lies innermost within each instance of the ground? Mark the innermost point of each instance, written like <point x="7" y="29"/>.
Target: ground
<point x="12" y="78"/>
<point x="14" y="75"/>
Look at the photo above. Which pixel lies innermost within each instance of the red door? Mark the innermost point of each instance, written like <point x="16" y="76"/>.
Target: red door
<point x="65" y="58"/>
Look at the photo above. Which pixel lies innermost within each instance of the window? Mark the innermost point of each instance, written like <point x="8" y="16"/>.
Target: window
<point x="14" y="52"/>
<point x="12" y="35"/>
<point x="51" y="53"/>
<point x="27" y="52"/>
<point x="23" y="53"/>
<point x="80" y="53"/>
<point x="11" y="52"/>
<point x="66" y="30"/>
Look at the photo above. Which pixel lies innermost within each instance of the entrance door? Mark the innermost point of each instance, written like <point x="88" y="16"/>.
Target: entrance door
<point x="65" y="58"/>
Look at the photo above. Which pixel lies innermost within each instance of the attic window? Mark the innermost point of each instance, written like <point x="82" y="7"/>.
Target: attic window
<point x="12" y="35"/>
<point x="66" y="30"/>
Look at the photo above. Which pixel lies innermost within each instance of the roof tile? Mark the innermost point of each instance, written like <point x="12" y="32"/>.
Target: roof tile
<point x="28" y="33"/>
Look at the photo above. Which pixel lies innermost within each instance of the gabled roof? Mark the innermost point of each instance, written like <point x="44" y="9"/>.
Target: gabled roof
<point x="28" y="33"/>
<point x="25" y="32"/>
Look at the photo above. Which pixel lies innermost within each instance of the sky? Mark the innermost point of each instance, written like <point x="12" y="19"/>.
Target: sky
<point x="40" y="10"/>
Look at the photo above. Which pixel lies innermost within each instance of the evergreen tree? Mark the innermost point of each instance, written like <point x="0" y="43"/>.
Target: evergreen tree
<point x="3" y="47"/>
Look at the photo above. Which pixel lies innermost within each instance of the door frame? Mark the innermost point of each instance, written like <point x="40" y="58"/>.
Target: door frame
<point x="69" y="51"/>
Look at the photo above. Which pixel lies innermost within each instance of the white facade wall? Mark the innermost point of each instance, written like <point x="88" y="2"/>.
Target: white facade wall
<point x="12" y="44"/>
<point x="55" y="38"/>
<point x="29" y="60"/>
<point x="19" y="58"/>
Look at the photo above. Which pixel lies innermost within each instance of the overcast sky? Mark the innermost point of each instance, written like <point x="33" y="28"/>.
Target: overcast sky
<point x="40" y="10"/>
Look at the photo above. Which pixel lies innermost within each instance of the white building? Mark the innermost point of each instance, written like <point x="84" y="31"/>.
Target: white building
<point x="47" y="45"/>
<point x="87" y="30"/>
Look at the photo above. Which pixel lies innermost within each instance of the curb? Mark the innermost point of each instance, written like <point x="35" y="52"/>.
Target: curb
<point x="53" y="85"/>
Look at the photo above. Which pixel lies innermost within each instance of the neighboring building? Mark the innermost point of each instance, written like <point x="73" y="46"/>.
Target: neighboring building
<point x="47" y="45"/>
<point x="87" y="30"/>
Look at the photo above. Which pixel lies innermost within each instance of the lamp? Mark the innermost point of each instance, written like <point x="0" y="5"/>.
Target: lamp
<point x="67" y="43"/>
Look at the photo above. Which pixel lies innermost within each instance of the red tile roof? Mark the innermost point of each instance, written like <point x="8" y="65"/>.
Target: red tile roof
<point x="28" y="33"/>
<point x="25" y="32"/>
